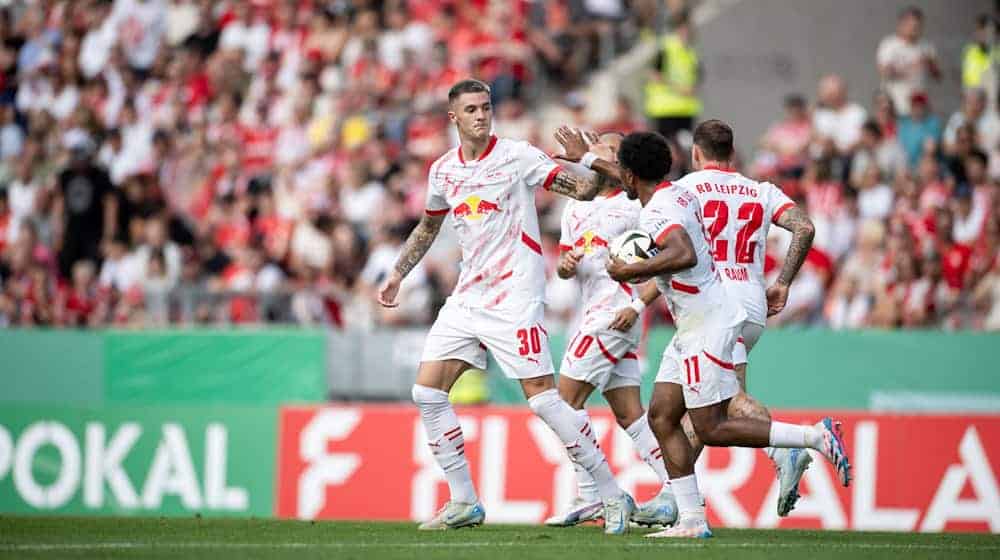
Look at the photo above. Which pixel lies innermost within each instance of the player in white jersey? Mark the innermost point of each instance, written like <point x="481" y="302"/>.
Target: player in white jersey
<point x="696" y="374"/>
<point x="602" y="353"/>
<point x="488" y="187"/>
<point x="738" y="212"/>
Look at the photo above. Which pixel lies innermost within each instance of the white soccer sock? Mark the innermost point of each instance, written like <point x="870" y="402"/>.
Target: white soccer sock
<point x="576" y="435"/>
<point x="444" y="436"/>
<point x="784" y="434"/>
<point x="585" y="483"/>
<point x="649" y="449"/>
<point x="689" y="500"/>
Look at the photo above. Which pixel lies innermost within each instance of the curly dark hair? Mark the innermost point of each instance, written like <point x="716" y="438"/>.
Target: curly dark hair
<point x="646" y="155"/>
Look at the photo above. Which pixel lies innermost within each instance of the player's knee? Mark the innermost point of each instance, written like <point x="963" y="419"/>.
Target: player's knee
<point x="426" y="396"/>
<point x="543" y="402"/>
<point x="659" y="420"/>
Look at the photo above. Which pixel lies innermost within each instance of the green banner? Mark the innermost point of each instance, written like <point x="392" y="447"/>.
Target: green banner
<point x="132" y="460"/>
<point x="863" y="370"/>
<point x="251" y="367"/>
<point x="56" y="366"/>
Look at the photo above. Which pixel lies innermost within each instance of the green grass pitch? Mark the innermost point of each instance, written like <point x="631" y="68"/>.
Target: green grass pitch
<point x="221" y="539"/>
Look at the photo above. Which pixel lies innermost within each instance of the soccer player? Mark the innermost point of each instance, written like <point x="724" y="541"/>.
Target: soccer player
<point x="602" y="354"/>
<point x="738" y="213"/>
<point x="696" y="374"/>
<point x="488" y="186"/>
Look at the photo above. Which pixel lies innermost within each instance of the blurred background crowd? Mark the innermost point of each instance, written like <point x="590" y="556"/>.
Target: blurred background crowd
<point x="240" y="162"/>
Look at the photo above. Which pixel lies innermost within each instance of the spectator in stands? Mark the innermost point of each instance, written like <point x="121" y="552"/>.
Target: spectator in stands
<point x="672" y="101"/>
<point x="785" y="145"/>
<point x="973" y="111"/>
<point x="836" y="119"/>
<point x="981" y="53"/>
<point x="85" y="209"/>
<point x="905" y="60"/>
<point x="876" y="149"/>
<point x="920" y="131"/>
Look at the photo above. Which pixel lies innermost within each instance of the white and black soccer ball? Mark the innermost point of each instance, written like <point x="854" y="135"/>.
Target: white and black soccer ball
<point x="632" y="246"/>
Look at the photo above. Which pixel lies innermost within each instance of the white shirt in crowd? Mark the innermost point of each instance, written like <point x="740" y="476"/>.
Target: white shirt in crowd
<point x="906" y="60"/>
<point x="843" y="125"/>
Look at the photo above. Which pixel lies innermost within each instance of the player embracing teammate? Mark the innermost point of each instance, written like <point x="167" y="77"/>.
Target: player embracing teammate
<point x="488" y="185"/>
<point x="697" y="375"/>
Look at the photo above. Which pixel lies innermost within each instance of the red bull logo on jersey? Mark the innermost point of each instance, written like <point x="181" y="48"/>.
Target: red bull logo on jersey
<point x="589" y="241"/>
<point x="474" y="208"/>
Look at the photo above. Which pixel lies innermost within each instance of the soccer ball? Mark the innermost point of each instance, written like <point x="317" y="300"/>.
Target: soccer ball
<point x="632" y="246"/>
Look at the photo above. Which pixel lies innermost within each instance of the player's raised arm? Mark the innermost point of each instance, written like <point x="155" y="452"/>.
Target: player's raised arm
<point x="795" y="220"/>
<point x="577" y="149"/>
<point x="420" y="240"/>
<point x="676" y="252"/>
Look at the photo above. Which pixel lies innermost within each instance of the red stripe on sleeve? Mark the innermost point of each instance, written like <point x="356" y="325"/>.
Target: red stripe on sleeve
<point x="780" y="211"/>
<point x="551" y="177"/>
<point x="565" y="248"/>
<point x="663" y="234"/>
<point x="440" y="212"/>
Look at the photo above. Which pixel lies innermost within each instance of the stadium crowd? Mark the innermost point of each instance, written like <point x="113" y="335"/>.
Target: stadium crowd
<point x="221" y="162"/>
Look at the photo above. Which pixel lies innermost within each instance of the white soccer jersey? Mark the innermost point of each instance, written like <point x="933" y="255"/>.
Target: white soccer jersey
<point x="739" y="211"/>
<point x="695" y="296"/>
<point x="492" y="205"/>
<point x="590" y="226"/>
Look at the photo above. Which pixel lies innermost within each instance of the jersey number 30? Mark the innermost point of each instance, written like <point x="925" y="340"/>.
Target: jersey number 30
<point x="531" y="341"/>
<point x="752" y="212"/>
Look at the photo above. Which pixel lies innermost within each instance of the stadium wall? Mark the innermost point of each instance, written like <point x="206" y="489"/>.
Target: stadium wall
<point x="232" y="423"/>
<point x="912" y="472"/>
<point x="811" y="368"/>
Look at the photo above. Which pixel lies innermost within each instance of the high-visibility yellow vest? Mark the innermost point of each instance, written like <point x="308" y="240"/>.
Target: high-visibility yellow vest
<point x="975" y="62"/>
<point x="680" y="63"/>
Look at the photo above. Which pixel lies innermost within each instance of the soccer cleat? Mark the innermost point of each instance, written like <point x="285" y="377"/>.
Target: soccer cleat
<point x="455" y="515"/>
<point x="617" y="512"/>
<point x="579" y="511"/>
<point x="792" y="464"/>
<point x="688" y="527"/>
<point x="834" y="450"/>
<point x="661" y="510"/>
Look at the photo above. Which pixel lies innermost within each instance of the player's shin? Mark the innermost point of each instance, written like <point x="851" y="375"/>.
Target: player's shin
<point x="586" y="484"/>
<point x="576" y="434"/>
<point x="444" y="436"/>
<point x="648" y="448"/>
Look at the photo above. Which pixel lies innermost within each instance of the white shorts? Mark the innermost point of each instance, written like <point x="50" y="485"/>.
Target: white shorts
<point x="749" y="335"/>
<point x="604" y="358"/>
<point x="519" y="343"/>
<point x="701" y="362"/>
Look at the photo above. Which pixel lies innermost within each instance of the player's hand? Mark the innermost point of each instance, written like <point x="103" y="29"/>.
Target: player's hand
<point x="624" y="320"/>
<point x="617" y="270"/>
<point x="568" y="262"/>
<point x="777" y="296"/>
<point x="390" y="288"/>
<point x="573" y="143"/>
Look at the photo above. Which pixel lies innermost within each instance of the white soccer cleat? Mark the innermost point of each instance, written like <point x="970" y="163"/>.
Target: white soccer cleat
<point x="660" y="511"/>
<point x="688" y="527"/>
<point x="617" y="513"/>
<point x="834" y="450"/>
<point x="792" y="464"/>
<point x="579" y="511"/>
<point x="455" y="515"/>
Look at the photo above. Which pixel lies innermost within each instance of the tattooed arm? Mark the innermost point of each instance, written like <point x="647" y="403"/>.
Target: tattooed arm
<point x="575" y="145"/>
<point x="580" y="188"/>
<point x="416" y="247"/>
<point x="796" y="221"/>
